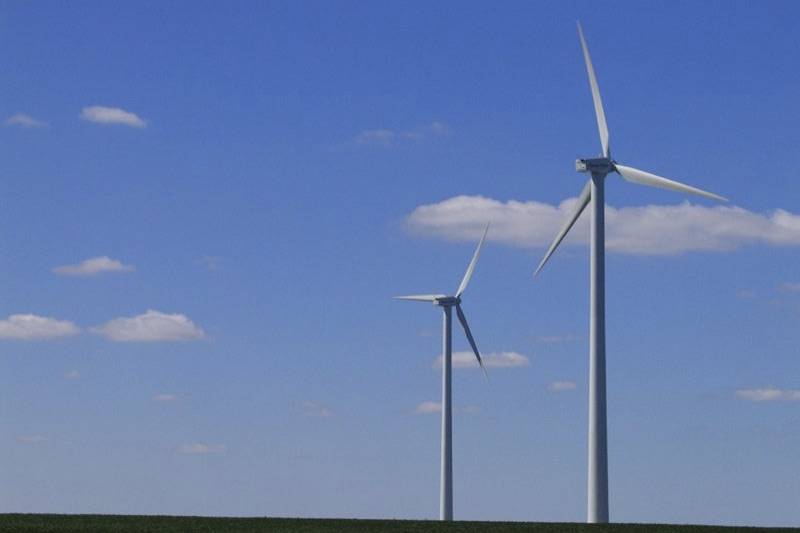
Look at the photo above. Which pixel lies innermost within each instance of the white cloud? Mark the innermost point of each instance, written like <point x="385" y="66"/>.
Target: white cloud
<point x="31" y="439"/>
<point x="25" y="121"/>
<point x="111" y="115"/>
<point x="200" y="448"/>
<point x="315" y="409"/>
<point x="790" y="287"/>
<point x="150" y="327"/>
<point x="72" y="374"/>
<point x="561" y="386"/>
<point x="647" y="230"/>
<point x="387" y="137"/>
<point x="746" y="294"/>
<point x="555" y="339"/>
<point x="33" y="327"/>
<point x="769" y="394"/>
<point x="379" y="136"/>
<point x="430" y="408"/>
<point x="434" y="129"/>
<point x="211" y="262"/>
<point x="165" y="398"/>
<point x="495" y="359"/>
<point x="93" y="266"/>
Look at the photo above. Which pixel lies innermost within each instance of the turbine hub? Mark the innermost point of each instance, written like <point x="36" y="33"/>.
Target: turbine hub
<point x="598" y="165"/>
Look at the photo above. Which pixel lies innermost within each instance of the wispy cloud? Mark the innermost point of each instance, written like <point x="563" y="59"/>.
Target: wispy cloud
<point x="388" y="137"/>
<point x="379" y="136"/>
<point x="112" y="115"/>
<point x="31" y="439"/>
<point x="164" y="398"/>
<point x="34" y="327"/>
<point x="746" y="294"/>
<point x="317" y="410"/>
<point x="556" y="339"/>
<point x="25" y="121"/>
<point x="648" y="230"/>
<point x="72" y="375"/>
<point x="430" y="408"/>
<point x="151" y="326"/>
<point x="428" y="332"/>
<point x="790" y="287"/>
<point x="211" y="262"/>
<point x="769" y="394"/>
<point x="495" y="359"/>
<point x="561" y="386"/>
<point x="93" y="266"/>
<point x="200" y="448"/>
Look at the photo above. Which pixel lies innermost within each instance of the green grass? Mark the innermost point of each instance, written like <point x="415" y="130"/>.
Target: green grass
<point x="188" y="524"/>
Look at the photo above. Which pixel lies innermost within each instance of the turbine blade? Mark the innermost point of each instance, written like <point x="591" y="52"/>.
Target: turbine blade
<point x="471" y="267"/>
<point x="598" y="103"/>
<point x="583" y="200"/>
<point x="463" y="320"/>
<point x="420" y="297"/>
<point x="645" y="178"/>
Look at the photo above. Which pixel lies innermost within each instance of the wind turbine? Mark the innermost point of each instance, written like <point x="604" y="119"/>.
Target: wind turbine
<point x="447" y="303"/>
<point x="599" y="167"/>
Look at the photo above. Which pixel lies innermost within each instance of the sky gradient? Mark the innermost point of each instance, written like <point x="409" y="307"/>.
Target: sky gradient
<point x="206" y="210"/>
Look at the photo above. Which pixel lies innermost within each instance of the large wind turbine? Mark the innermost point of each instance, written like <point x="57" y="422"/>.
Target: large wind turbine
<point x="599" y="167"/>
<point x="447" y="303"/>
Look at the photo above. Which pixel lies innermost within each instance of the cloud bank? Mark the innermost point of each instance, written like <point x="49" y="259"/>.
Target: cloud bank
<point x="34" y="327"/>
<point x="151" y="326"/>
<point x="92" y="267"/>
<point x="494" y="359"/>
<point x="112" y="115"/>
<point x="647" y="230"/>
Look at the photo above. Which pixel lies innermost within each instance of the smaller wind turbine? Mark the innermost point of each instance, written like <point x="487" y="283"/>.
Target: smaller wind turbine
<point x="447" y="303"/>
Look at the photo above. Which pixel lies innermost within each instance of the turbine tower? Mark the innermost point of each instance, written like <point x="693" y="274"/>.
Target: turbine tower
<point x="599" y="168"/>
<point x="447" y="303"/>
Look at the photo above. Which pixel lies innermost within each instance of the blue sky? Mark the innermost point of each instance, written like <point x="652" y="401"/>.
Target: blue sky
<point x="207" y="209"/>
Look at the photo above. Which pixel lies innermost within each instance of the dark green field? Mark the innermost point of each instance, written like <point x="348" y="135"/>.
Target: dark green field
<point x="176" y="524"/>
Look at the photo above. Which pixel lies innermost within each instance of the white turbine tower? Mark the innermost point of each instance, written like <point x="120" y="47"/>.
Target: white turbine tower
<point x="447" y="303"/>
<point x="593" y="191"/>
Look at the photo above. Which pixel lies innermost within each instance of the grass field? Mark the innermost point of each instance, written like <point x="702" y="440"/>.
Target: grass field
<point x="178" y="524"/>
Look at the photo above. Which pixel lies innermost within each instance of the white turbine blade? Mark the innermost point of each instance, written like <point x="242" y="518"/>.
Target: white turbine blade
<point x="598" y="103"/>
<point x="583" y="200"/>
<point x="471" y="267"/>
<point x="463" y="320"/>
<point x="645" y="178"/>
<point x="420" y="297"/>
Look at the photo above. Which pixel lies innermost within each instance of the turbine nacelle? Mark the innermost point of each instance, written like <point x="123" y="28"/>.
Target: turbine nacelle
<point x="596" y="165"/>
<point x="447" y="301"/>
